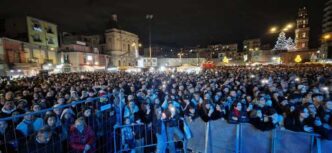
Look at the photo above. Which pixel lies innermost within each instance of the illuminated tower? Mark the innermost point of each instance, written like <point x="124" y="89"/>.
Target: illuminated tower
<point x="302" y="30"/>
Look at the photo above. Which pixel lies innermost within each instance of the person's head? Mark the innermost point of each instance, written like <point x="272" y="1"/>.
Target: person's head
<point x="28" y="117"/>
<point x="9" y="95"/>
<point x="36" y="107"/>
<point x="9" y="105"/>
<point x="311" y="108"/>
<point x="126" y="121"/>
<point x="238" y="106"/>
<point x="57" y="110"/>
<point x="80" y="124"/>
<point x="130" y="98"/>
<point x="44" y="135"/>
<point x="303" y="112"/>
<point x="87" y="112"/>
<point x="192" y="109"/>
<point x="61" y="101"/>
<point x="328" y="105"/>
<point x="317" y="98"/>
<point x="51" y="120"/>
<point x="233" y="93"/>
<point x="262" y="101"/>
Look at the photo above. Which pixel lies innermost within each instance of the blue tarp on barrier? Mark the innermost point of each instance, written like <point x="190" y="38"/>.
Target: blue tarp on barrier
<point x="292" y="142"/>
<point x="197" y="143"/>
<point x="326" y="146"/>
<point x="222" y="137"/>
<point x="254" y="140"/>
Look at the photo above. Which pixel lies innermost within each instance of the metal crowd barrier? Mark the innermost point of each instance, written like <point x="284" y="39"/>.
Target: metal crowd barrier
<point x="21" y="140"/>
<point x="145" y="139"/>
<point x="221" y="137"/>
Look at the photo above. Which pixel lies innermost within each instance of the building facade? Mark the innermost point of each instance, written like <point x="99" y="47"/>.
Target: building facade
<point x="302" y="30"/>
<point x="121" y="45"/>
<point x="251" y="45"/>
<point x="25" y="58"/>
<point x="81" y="58"/>
<point x="326" y="46"/>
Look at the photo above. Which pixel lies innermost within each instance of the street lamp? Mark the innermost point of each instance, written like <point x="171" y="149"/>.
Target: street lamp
<point x="149" y="17"/>
<point x="286" y="28"/>
<point x="273" y="30"/>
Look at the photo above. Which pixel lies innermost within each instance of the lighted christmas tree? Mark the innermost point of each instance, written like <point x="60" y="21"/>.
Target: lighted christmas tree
<point x="281" y="43"/>
<point x="290" y="44"/>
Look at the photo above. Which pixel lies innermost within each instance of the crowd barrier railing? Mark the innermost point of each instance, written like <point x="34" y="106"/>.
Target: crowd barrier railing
<point x="21" y="132"/>
<point x="222" y="137"/>
<point x="145" y="139"/>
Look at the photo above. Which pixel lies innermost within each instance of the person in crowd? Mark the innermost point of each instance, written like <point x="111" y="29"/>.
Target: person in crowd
<point x="8" y="108"/>
<point x="299" y="120"/>
<point x="29" y="124"/>
<point x="160" y="130"/>
<point x="9" y="138"/>
<point x="173" y="128"/>
<point x="128" y="136"/>
<point x="82" y="138"/>
<point x="44" y="142"/>
<point x="237" y="114"/>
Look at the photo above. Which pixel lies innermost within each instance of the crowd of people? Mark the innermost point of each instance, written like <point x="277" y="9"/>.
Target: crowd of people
<point x="84" y="112"/>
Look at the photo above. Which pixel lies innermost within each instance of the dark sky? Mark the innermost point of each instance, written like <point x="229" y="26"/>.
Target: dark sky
<point x="182" y="22"/>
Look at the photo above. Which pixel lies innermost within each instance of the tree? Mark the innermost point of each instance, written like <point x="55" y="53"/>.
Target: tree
<point x="290" y="44"/>
<point x="281" y="43"/>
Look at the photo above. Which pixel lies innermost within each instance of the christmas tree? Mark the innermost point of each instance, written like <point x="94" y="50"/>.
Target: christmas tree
<point x="290" y="44"/>
<point x="281" y="43"/>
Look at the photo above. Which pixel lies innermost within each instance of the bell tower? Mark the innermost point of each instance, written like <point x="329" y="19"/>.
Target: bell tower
<point x="302" y="30"/>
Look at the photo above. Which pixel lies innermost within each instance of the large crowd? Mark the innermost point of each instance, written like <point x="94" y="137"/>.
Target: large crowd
<point x="296" y="98"/>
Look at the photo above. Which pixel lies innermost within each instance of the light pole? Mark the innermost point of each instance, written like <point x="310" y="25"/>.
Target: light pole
<point x="149" y="17"/>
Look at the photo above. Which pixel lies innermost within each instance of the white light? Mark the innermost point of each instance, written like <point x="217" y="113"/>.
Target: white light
<point x="59" y="66"/>
<point x="151" y="69"/>
<point x="265" y="81"/>
<point x="172" y="109"/>
<point x="297" y="79"/>
<point x="325" y="88"/>
<point x="172" y="76"/>
<point x="252" y="76"/>
<point x="82" y="76"/>
<point x="19" y="70"/>
<point x="49" y="64"/>
<point x="96" y="63"/>
<point x="112" y="69"/>
<point x="274" y="58"/>
<point x="162" y="69"/>
<point x="12" y="71"/>
<point x="89" y="58"/>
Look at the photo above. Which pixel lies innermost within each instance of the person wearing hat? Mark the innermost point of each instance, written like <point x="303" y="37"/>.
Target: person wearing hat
<point x="82" y="138"/>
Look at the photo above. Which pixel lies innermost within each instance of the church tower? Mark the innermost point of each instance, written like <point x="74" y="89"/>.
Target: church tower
<point x="302" y="30"/>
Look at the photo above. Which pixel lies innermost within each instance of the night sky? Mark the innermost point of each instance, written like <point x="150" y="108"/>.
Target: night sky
<point x="181" y="22"/>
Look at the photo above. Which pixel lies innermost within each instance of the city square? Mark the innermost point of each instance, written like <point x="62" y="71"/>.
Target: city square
<point x="103" y="76"/>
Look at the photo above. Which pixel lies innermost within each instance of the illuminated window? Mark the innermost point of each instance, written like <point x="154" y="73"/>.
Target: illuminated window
<point x="303" y="45"/>
<point x="36" y="26"/>
<point x="304" y="35"/>
<point x="36" y="38"/>
<point x="50" y="40"/>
